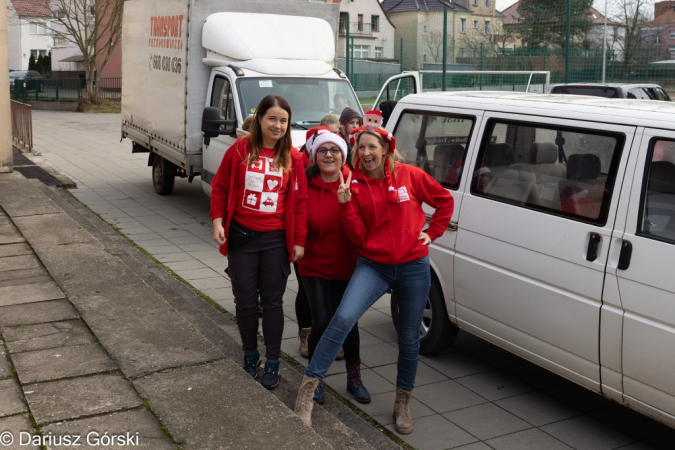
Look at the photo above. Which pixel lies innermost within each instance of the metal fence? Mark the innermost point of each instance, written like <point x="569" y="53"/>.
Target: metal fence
<point x="22" y="125"/>
<point x="64" y="89"/>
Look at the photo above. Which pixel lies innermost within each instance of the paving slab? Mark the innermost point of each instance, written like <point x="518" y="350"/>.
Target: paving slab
<point x="487" y="421"/>
<point x="12" y="239"/>
<point x="584" y="433"/>
<point x="24" y="277"/>
<point x="15" y="250"/>
<point x="29" y="202"/>
<point x="46" y="335"/>
<point x="142" y="427"/>
<point x="5" y="367"/>
<point x="79" y="397"/>
<point x="11" y="398"/>
<point x="50" y="311"/>
<point x="203" y="408"/>
<point x="19" y="262"/>
<point x="15" y="425"/>
<point x="62" y="229"/>
<point x="64" y="362"/>
<point x="436" y="433"/>
<point x="30" y="293"/>
<point x="141" y="331"/>
<point x="532" y="438"/>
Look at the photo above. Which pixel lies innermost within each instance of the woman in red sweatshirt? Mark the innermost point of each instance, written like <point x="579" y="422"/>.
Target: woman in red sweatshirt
<point x="381" y="210"/>
<point x="259" y="214"/>
<point x="330" y="257"/>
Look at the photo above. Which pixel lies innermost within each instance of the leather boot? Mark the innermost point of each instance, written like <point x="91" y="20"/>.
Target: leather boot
<point x="404" y="423"/>
<point x="304" y="338"/>
<point x="305" y="400"/>
<point x="355" y="384"/>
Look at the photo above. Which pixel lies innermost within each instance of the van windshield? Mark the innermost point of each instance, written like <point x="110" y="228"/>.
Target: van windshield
<point x="310" y="98"/>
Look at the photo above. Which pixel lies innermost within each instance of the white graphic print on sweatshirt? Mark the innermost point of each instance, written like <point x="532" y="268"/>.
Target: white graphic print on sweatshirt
<point x="262" y="186"/>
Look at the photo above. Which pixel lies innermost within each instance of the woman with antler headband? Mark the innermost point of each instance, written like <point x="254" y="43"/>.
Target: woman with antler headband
<point x="381" y="210"/>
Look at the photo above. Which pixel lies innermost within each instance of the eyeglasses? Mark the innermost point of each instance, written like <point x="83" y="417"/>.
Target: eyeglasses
<point x="333" y="151"/>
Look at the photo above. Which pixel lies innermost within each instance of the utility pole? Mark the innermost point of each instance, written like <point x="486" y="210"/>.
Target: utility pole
<point x="5" y="115"/>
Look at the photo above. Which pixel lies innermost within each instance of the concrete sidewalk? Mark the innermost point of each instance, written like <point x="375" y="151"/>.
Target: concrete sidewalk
<point x="99" y="341"/>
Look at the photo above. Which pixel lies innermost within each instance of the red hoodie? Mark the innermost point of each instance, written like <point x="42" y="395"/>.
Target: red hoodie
<point x="232" y="171"/>
<point x="387" y="232"/>
<point x="328" y="252"/>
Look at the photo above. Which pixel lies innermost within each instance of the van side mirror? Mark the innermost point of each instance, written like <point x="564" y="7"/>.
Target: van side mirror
<point x="211" y="124"/>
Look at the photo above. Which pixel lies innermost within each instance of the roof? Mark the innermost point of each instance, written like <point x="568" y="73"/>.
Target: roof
<point x="513" y="18"/>
<point x="74" y="58"/>
<point x="585" y="108"/>
<point x="396" y="6"/>
<point x="662" y="19"/>
<point x="31" y="8"/>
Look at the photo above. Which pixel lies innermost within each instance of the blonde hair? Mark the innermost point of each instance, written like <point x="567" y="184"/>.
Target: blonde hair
<point x="329" y="119"/>
<point x="391" y="157"/>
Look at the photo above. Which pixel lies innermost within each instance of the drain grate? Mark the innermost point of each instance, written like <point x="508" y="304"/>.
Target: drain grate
<point x="29" y="169"/>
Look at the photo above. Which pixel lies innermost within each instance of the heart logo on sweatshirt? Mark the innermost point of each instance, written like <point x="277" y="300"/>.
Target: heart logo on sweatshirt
<point x="271" y="184"/>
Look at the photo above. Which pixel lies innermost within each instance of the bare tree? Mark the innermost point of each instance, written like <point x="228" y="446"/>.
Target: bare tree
<point x="95" y="27"/>
<point x="434" y="43"/>
<point x="633" y="16"/>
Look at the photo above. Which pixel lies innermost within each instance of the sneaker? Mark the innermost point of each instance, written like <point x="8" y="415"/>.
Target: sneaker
<point x="320" y="394"/>
<point x="271" y="377"/>
<point x="355" y="385"/>
<point x="251" y="362"/>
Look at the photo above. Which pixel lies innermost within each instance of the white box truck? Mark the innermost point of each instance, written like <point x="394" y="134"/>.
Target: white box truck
<point x="193" y="70"/>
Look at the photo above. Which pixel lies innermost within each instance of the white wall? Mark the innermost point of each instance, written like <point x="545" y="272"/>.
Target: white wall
<point x="383" y="38"/>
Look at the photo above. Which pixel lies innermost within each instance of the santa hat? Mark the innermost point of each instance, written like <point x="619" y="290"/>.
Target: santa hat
<point x="389" y="138"/>
<point x="321" y="135"/>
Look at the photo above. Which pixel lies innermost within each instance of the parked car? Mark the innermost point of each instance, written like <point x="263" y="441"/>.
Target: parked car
<point x="614" y="90"/>
<point x="32" y="78"/>
<point x="562" y="241"/>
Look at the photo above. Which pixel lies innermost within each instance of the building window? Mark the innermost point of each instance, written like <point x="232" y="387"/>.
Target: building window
<point x="343" y="23"/>
<point x="462" y="25"/>
<point x="671" y="34"/>
<point x="424" y="58"/>
<point x="374" y="23"/>
<point x="475" y="2"/>
<point x="487" y="27"/>
<point x="462" y="52"/>
<point x="487" y="3"/>
<point x="38" y="53"/>
<point x="425" y="28"/>
<point x="657" y="39"/>
<point x="60" y="41"/>
<point x="361" y="51"/>
<point x="38" y="28"/>
<point x="359" y="25"/>
<point x="378" y="52"/>
<point x="475" y="24"/>
<point x="615" y="33"/>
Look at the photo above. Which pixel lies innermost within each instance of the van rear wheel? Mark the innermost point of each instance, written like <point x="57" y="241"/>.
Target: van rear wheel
<point x="163" y="175"/>
<point x="436" y="331"/>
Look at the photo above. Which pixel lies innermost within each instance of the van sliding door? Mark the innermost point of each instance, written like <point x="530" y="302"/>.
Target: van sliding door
<point x="536" y="221"/>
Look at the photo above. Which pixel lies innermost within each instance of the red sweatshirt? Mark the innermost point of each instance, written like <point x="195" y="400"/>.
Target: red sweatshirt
<point x="328" y="252"/>
<point x="225" y="186"/>
<point x="388" y="232"/>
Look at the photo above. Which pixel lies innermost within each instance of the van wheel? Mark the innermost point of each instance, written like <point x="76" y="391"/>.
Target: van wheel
<point x="436" y="330"/>
<point x="163" y="175"/>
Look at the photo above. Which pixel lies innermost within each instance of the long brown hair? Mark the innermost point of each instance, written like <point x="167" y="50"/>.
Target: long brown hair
<point x="282" y="156"/>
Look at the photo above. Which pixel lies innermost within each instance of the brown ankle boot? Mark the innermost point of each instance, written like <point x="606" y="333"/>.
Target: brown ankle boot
<point x="304" y="345"/>
<point x="404" y="423"/>
<point x="305" y="400"/>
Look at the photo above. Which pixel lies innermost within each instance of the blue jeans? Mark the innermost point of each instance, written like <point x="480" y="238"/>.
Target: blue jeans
<point x="370" y="281"/>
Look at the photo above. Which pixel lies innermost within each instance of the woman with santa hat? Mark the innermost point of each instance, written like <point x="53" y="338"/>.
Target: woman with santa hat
<point x="330" y="257"/>
<point x="380" y="207"/>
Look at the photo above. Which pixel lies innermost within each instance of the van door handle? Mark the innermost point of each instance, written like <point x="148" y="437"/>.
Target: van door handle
<point x="452" y="226"/>
<point x="625" y="255"/>
<point x="592" y="252"/>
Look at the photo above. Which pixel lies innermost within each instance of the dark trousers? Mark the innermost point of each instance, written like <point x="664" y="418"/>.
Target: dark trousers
<point x="261" y="264"/>
<point x="324" y="298"/>
<point x="302" y="311"/>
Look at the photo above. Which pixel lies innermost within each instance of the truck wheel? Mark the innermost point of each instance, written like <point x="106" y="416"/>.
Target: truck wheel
<point x="163" y="175"/>
<point x="436" y="330"/>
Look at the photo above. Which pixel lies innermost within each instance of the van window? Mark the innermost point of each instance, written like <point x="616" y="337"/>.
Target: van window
<point x="436" y="143"/>
<point x="595" y="91"/>
<point x="658" y="193"/>
<point x="222" y="98"/>
<point x="567" y="172"/>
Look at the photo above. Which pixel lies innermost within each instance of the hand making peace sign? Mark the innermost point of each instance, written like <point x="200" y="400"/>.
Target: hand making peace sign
<point x="343" y="192"/>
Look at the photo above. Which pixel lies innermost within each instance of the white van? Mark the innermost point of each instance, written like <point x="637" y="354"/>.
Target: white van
<point x="563" y="235"/>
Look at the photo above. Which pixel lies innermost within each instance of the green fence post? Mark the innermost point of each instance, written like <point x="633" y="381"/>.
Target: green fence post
<point x="57" y="83"/>
<point x="543" y="85"/>
<point x="647" y="65"/>
<point x="513" y="77"/>
<point x="567" y="41"/>
<point x="480" y="79"/>
<point x="445" y="45"/>
<point x="347" y="45"/>
<point x="400" y="56"/>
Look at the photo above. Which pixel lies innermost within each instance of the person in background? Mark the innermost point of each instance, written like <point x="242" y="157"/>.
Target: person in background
<point x="330" y="260"/>
<point x="331" y="122"/>
<point x="259" y="214"/>
<point x="340" y="101"/>
<point x="381" y="211"/>
<point x="350" y="120"/>
<point x="245" y="127"/>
